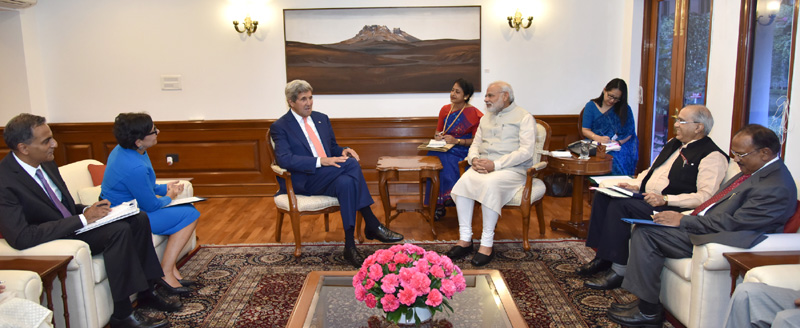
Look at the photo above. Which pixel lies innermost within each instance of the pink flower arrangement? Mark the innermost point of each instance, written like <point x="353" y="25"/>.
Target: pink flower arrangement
<point x="403" y="277"/>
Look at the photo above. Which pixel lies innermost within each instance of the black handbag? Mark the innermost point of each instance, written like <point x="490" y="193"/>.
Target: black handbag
<point x="558" y="184"/>
<point x="575" y="147"/>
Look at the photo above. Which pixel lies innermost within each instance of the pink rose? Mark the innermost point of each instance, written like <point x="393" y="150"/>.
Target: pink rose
<point x="390" y="303"/>
<point x="406" y="274"/>
<point x="383" y="256"/>
<point x="375" y="272"/>
<point x="437" y="271"/>
<point x="396" y="248"/>
<point x="358" y="279"/>
<point x="461" y="284"/>
<point x="389" y="283"/>
<point x="368" y="261"/>
<point x="402" y="258"/>
<point x="361" y="293"/>
<point x="422" y="266"/>
<point x="407" y="296"/>
<point x="421" y="283"/>
<point x="434" y="298"/>
<point x="448" y="288"/>
<point x="371" y="301"/>
<point x="370" y="283"/>
<point x="433" y="257"/>
<point x="392" y="267"/>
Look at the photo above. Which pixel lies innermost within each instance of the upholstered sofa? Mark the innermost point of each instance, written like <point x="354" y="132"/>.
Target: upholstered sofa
<point x="88" y="293"/>
<point x="25" y="284"/>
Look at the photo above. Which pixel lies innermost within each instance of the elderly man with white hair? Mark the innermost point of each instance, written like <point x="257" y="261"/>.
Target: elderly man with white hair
<point x="500" y="154"/>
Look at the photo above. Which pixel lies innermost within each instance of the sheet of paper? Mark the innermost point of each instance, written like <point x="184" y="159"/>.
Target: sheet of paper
<point x="560" y="153"/>
<point x="187" y="200"/>
<point x="436" y="143"/>
<point x="118" y="212"/>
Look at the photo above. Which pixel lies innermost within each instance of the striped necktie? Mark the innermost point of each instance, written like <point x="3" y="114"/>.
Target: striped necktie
<point x="52" y="194"/>
<point x="720" y="194"/>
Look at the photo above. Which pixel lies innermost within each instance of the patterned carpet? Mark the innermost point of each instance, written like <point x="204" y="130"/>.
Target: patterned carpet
<point x="257" y="285"/>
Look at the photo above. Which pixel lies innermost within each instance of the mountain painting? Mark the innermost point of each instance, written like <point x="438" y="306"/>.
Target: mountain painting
<point x="417" y="50"/>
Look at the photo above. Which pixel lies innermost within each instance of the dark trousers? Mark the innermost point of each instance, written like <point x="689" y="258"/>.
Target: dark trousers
<point x="127" y="248"/>
<point x="346" y="183"/>
<point x="650" y="246"/>
<point x="607" y="233"/>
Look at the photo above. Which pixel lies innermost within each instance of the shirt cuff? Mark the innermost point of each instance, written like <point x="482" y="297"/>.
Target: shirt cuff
<point x="83" y="219"/>
<point x="319" y="161"/>
<point x="497" y="166"/>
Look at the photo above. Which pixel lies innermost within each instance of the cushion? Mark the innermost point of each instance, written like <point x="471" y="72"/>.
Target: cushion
<point x="306" y="203"/>
<point x="793" y="225"/>
<point x="97" y="172"/>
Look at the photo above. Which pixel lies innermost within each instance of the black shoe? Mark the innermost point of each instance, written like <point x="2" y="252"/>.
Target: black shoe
<point x="459" y="252"/>
<point x="172" y="290"/>
<point x="480" y="259"/>
<point x="635" y="318"/>
<point x="152" y="299"/>
<point x="621" y="307"/>
<point x="383" y="234"/>
<point x="607" y="280"/>
<point x="439" y="213"/>
<point x="136" y="320"/>
<point x="354" y="257"/>
<point x="594" y="266"/>
<point x="187" y="282"/>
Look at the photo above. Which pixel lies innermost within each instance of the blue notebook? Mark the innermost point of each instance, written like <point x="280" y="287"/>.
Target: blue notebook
<point x="647" y="222"/>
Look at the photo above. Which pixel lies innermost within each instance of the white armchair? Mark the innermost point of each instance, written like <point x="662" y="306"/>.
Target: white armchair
<point x="784" y="275"/>
<point x="25" y="284"/>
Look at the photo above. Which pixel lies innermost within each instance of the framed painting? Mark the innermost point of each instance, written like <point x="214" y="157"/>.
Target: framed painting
<point x="383" y="50"/>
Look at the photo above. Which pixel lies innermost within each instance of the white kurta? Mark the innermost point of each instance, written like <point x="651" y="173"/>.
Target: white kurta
<point x="507" y="138"/>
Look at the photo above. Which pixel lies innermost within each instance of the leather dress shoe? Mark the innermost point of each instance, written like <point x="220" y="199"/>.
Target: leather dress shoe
<point x="480" y="259"/>
<point x="607" y="280"/>
<point x="621" y="307"/>
<point x="383" y="234"/>
<point x="151" y="298"/>
<point x="187" y="282"/>
<point x="594" y="266"/>
<point x="354" y="257"/>
<point x="136" y="320"/>
<point x="173" y="290"/>
<point x="439" y="213"/>
<point x="459" y="252"/>
<point x="635" y="318"/>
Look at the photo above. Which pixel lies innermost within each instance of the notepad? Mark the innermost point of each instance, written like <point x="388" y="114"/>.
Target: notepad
<point x="117" y="213"/>
<point x="617" y="192"/>
<point x="646" y="222"/>
<point x="187" y="200"/>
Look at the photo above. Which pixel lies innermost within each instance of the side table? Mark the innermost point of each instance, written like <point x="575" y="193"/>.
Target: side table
<point x="48" y="267"/>
<point x="744" y="261"/>
<point x="579" y="168"/>
<point x="428" y="167"/>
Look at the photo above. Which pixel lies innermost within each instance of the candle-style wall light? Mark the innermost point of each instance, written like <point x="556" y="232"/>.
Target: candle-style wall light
<point x="250" y="26"/>
<point x="516" y="21"/>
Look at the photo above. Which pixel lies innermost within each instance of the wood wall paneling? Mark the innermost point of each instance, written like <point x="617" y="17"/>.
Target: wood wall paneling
<point x="229" y="158"/>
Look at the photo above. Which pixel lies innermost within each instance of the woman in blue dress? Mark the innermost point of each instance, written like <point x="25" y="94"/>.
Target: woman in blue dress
<point x="608" y="117"/>
<point x="129" y="175"/>
<point x="458" y="122"/>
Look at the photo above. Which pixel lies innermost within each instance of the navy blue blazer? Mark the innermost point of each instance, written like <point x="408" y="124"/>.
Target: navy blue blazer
<point x="292" y="151"/>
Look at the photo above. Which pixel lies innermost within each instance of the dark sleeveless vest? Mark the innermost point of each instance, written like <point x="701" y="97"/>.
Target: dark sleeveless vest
<point x="683" y="174"/>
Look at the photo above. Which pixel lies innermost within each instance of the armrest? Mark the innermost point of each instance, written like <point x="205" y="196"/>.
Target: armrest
<point x="711" y="254"/>
<point x="462" y="167"/>
<point x="278" y="170"/>
<point x="536" y="168"/>
<point x="24" y="284"/>
<point x="78" y="249"/>
<point x="784" y="276"/>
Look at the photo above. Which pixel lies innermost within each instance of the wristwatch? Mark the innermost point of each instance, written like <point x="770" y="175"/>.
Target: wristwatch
<point x="665" y="200"/>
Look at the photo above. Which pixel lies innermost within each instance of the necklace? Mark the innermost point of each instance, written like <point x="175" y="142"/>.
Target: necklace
<point x="454" y="120"/>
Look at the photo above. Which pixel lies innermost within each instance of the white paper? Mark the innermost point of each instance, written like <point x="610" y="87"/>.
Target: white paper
<point x="437" y="143"/>
<point x="118" y="212"/>
<point x="560" y="153"/>
<point x="186" y="200"/>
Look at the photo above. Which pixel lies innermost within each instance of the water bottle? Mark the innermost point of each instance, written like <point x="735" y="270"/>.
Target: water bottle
<point x="585" y="149"/>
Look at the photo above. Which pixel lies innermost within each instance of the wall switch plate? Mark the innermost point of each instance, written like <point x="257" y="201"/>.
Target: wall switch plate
<point x="173" y="157"/>
<point x="171" y="82"/>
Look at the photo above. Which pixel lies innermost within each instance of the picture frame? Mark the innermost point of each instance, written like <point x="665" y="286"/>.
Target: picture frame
<point x="383" y="50"/>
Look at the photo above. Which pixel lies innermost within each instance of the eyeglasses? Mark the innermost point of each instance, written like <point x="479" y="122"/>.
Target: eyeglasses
<point x="155" y="131"/>
<point x="738" y="157"/>
<point x="682" y="121"/>
<point x="612" y="97"/>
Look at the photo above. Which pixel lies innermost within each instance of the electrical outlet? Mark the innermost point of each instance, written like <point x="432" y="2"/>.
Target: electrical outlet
<point x="174" y="158"/>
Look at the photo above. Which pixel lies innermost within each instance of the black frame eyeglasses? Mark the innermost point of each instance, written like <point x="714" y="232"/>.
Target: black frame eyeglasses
<point x="155" y="131"/>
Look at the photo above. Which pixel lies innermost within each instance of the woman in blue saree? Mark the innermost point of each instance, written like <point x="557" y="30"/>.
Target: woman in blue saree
<point x="458" y="122"/>
<point x="608" y="117"/>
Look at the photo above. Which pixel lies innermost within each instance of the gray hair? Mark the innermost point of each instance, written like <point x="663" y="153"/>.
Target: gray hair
<point x="505" y="87"/>
<point x="20" y="129"/>
<point x="295" y="88"/>
<point x="703" y="115"/>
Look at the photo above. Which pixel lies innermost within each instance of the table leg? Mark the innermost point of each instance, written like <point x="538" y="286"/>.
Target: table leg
<point x="47" y="282"/>
<point x="62" y="276"/>
<point x="432" y="201"/>
<point x="576" y="225"/>
<point x="383" y="189"/>
<point x="734" y="277"/>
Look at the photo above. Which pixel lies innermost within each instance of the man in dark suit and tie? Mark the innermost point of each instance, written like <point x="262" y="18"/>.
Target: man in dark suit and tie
<point x="756" y="201"/>
<point x="36" y="207"/>
<point x="305" y="145"/>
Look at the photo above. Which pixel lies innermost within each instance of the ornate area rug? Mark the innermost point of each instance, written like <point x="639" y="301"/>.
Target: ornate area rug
<point x="257" y="285"/>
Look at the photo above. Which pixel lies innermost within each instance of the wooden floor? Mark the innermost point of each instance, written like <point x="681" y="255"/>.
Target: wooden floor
<point x="247" y="220"/>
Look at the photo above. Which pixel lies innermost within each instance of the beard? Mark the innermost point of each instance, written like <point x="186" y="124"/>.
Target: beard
<point x="494" y="107"/>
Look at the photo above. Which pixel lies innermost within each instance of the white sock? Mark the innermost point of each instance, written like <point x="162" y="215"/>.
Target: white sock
<point x="619" y="268"/>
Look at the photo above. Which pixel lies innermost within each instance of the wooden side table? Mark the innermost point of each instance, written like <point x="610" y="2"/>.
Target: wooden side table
<point x="48" y="267"/>
<point x="428" y="167"/>
<point x="744" y="261"/>
<point x="579" y="168"/>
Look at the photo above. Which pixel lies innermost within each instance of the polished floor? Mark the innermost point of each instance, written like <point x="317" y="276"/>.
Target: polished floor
<point x="249" y="220"/>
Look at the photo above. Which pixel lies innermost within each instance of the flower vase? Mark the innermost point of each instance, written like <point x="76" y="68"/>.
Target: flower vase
<point x="423" y="313"/>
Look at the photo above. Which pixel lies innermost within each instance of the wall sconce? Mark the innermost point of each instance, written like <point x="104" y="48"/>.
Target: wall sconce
<point x="250" y="25"/>
<point x="516" y="21"/>
<point x="772" y="8"/>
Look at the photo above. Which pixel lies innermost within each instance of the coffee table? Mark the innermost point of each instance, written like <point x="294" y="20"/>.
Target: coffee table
<point x="742" y="262"/>
<point x="328" y="300"/>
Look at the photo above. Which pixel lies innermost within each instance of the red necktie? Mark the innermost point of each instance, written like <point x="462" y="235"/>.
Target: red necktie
<point x="52" y="194"/>
<point x="314" y="139"/>
<point x="720" y="194"/>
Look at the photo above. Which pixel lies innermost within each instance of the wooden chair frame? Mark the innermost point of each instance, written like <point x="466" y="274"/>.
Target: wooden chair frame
<point x="294" y="211"/>
<point x="525" y="204"/>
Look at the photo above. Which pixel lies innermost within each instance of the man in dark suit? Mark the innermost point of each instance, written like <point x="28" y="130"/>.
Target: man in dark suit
<point x="756" y="201"/>
<point x="686" y="173"/>
<point x="305" y="145"/>
<point x="36" y="207"/>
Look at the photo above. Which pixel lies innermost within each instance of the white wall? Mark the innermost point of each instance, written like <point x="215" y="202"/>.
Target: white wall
<point x="100" y="58"/>
<point x="13" y="80"/>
